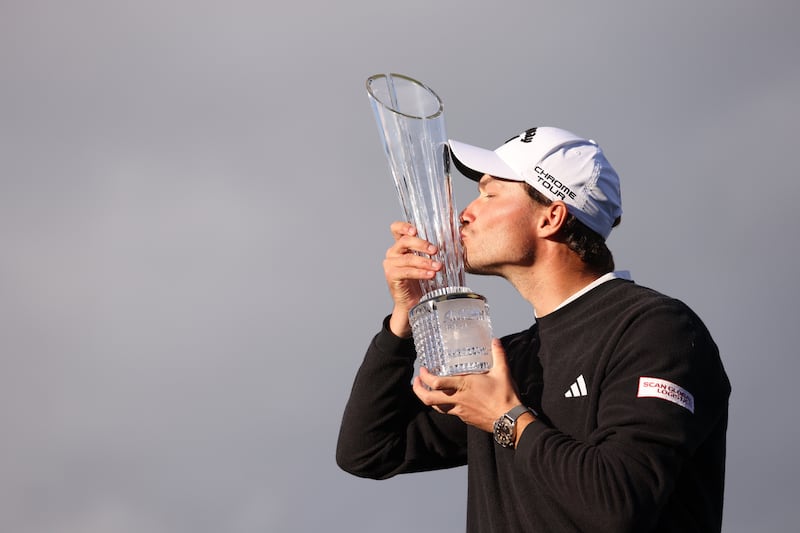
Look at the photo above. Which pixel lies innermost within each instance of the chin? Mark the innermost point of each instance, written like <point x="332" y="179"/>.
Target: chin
<point x="480" y="270"/>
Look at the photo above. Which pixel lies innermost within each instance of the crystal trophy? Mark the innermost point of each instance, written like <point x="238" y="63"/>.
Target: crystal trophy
<point x="450" y="325"/>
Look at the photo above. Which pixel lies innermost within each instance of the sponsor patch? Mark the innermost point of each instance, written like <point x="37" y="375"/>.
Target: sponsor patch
<point x="666" y="390"/>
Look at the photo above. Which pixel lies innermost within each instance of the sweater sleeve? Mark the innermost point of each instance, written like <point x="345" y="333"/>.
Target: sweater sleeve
<point x="638" y="459"/>
<point x="385" y="429"/>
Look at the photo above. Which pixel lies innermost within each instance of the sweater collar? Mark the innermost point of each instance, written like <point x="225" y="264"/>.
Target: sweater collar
<point x="622" y="274"/>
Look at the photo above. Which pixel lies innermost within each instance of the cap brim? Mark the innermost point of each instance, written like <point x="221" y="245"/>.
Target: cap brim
<point x="474" y="162"/>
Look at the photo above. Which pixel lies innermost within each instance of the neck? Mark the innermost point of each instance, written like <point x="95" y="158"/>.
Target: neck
<point x="551" y="280"/>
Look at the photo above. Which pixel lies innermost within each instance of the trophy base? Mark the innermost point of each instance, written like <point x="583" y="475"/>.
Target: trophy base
<point x="453" y="333"/>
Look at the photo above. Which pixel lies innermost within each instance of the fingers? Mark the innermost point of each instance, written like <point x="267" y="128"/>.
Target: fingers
<point x="477" y="399"/>
<point x="446" y="384"/>
<point x="406" y="240"/>
<point x="408" y="261"/>
<point x="434" y="390"/>
<point x="410" y="256"/>
<point x="399" y="229"/>
<point x="439" y="400"/>
<point x="410" y="266"/>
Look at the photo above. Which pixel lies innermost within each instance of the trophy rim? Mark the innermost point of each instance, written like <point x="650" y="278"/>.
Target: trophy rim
<point x="376" y="77"/>
<point x="446" y="294"/>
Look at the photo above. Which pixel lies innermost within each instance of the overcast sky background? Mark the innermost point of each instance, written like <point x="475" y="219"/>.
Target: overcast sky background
<point x="194" y="205"/>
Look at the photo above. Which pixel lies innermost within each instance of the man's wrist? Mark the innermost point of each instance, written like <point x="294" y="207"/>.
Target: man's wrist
<point x="507" y="428"/>
<point x="399" y="324"/>
<point x="523" y="421"/>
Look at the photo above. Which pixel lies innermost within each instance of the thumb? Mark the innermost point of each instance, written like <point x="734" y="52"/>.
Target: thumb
<point x="498" y="354"/>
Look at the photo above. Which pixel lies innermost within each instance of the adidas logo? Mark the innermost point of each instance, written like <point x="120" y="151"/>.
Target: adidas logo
<point x="577" y="389"/>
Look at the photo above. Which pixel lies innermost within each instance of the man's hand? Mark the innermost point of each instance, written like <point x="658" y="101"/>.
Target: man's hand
<point x="403" y="269"/>
<point x="477" y="399"/>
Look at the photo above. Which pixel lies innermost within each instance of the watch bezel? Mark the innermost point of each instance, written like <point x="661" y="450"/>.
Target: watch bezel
<point x="504" y="431"/>
<point x="505" y="427"/>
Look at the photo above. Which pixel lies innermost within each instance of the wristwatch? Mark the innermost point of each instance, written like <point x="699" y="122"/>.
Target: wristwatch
<point x="505" y="427"/>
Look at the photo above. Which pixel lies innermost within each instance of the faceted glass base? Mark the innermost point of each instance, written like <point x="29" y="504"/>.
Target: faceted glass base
<point x="453" y="334"/>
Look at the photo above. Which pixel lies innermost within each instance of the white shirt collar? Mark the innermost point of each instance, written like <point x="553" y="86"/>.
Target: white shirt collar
<point x="622" y="274"/>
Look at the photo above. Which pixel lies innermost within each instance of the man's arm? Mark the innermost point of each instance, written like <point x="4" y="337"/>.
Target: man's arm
<point x="385" y="430"/>
<point x="640" y="458"/>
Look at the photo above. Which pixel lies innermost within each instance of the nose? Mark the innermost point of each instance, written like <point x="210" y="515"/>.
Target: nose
<point x="466" y="216"/>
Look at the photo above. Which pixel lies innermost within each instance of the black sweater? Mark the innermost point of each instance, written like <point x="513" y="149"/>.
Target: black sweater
<point x="632" y="401"/>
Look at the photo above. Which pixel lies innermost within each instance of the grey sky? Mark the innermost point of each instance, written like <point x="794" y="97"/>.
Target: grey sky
<point x="194" y="206"/>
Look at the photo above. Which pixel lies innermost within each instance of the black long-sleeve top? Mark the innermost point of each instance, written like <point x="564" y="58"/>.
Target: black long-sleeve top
<point x="633" y="405"/>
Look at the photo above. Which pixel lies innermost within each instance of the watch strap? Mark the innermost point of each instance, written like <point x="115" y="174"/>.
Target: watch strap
<point x="515" y="412"/>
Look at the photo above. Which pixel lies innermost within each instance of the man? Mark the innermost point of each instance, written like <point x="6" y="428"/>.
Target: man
<point x="608" y="414"/>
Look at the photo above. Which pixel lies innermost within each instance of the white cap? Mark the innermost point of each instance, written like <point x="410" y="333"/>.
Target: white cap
<point x="559" y="164"/>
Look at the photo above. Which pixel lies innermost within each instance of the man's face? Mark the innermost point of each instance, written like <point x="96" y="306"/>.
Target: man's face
<point x="498" y="228"/>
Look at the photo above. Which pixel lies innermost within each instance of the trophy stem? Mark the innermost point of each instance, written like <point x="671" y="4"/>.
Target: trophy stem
<point x="410" y="118"/>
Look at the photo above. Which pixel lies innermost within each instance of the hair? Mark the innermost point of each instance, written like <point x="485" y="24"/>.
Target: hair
<point x="586" y="243"/>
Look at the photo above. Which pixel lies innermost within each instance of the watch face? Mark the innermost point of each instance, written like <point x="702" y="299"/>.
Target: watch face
<point x="504" y="432"/>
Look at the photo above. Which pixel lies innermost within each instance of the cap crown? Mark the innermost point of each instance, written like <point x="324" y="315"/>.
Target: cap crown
<point x="560" y="165"/>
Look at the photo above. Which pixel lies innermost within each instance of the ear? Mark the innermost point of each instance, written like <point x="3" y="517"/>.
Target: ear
<point x="551" y="218"/>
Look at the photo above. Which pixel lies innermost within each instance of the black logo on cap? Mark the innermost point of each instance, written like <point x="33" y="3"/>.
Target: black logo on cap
<point x="526" y="136"/>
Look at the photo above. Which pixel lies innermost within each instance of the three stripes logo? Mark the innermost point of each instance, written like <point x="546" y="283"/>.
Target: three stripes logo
<point x="577" y="389"/>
